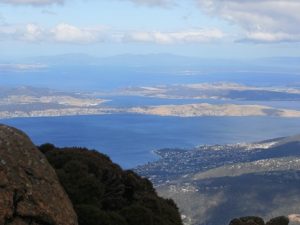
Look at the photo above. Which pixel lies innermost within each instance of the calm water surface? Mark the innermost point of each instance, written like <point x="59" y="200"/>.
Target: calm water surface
<point x="129" y="139"/>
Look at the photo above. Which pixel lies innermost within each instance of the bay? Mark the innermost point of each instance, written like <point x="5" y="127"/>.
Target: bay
<point x="129" y="139"/>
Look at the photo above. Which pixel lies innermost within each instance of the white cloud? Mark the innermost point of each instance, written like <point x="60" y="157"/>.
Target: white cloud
<point x="67" y="33"/>
<point x="192" y="36"/>
<point x="160" y="3"/>
<point x="32" y="2"/>
<point x="28" y="32"/>
<point x="33" y="33"/>
<point x="22" y="67"/>
<point x="63" y="32"/>
<point x="263" y="20"/>
<point x="271" y="37"/>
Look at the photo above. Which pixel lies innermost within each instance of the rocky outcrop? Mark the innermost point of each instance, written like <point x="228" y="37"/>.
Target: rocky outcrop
<point x="252" y="220"/>
<point x="30" y="193"/>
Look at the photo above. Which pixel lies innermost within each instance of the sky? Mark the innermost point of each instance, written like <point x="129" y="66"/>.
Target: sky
<point x="201" y="28"/>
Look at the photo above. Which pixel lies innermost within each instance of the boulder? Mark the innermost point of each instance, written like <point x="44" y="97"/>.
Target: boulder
<point x="30" y="193"/>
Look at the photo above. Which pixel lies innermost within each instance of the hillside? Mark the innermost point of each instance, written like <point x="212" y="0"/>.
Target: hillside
<point x="213" y="184"/>
<point x="103" y="194"/>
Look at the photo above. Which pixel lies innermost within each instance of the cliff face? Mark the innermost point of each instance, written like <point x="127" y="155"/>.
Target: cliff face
<point x="30" y="193"/>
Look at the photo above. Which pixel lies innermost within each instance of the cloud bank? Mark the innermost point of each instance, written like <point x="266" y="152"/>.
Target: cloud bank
<point x="263" y="20"/>
<point x="160" y="3"/>
<point x="32" y="2"/>
<point x="66" y="33"/>
<point x="189" y="36"/>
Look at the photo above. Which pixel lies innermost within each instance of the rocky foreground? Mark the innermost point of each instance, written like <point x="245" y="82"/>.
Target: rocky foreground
<point x="30" y="192"/>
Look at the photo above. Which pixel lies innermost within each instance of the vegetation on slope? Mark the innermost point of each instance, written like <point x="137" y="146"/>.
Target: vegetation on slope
<point x="252" y="220"/>
<point x="103" y="194"/>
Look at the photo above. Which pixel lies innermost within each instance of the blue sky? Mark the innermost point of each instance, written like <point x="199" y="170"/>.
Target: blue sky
<point x="202" y="28"/>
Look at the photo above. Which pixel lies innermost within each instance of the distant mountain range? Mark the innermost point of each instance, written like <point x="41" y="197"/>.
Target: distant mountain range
<point x="162" y="60"/>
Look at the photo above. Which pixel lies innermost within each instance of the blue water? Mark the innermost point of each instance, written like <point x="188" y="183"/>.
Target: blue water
<point x="129" y="139"/>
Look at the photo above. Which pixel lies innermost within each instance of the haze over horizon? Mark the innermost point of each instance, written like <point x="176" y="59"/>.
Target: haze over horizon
<point x="198" y="28"/>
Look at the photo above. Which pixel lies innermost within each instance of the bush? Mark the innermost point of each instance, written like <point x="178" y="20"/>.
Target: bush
<point x="281" y="220"/>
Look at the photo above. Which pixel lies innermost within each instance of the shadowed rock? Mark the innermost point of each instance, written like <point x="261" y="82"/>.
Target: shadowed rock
<point x="30" y="193"/>
<point x="281" y="220"/>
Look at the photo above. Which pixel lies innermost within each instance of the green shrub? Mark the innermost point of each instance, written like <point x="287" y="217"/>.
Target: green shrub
<point x="103" y="194"/>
